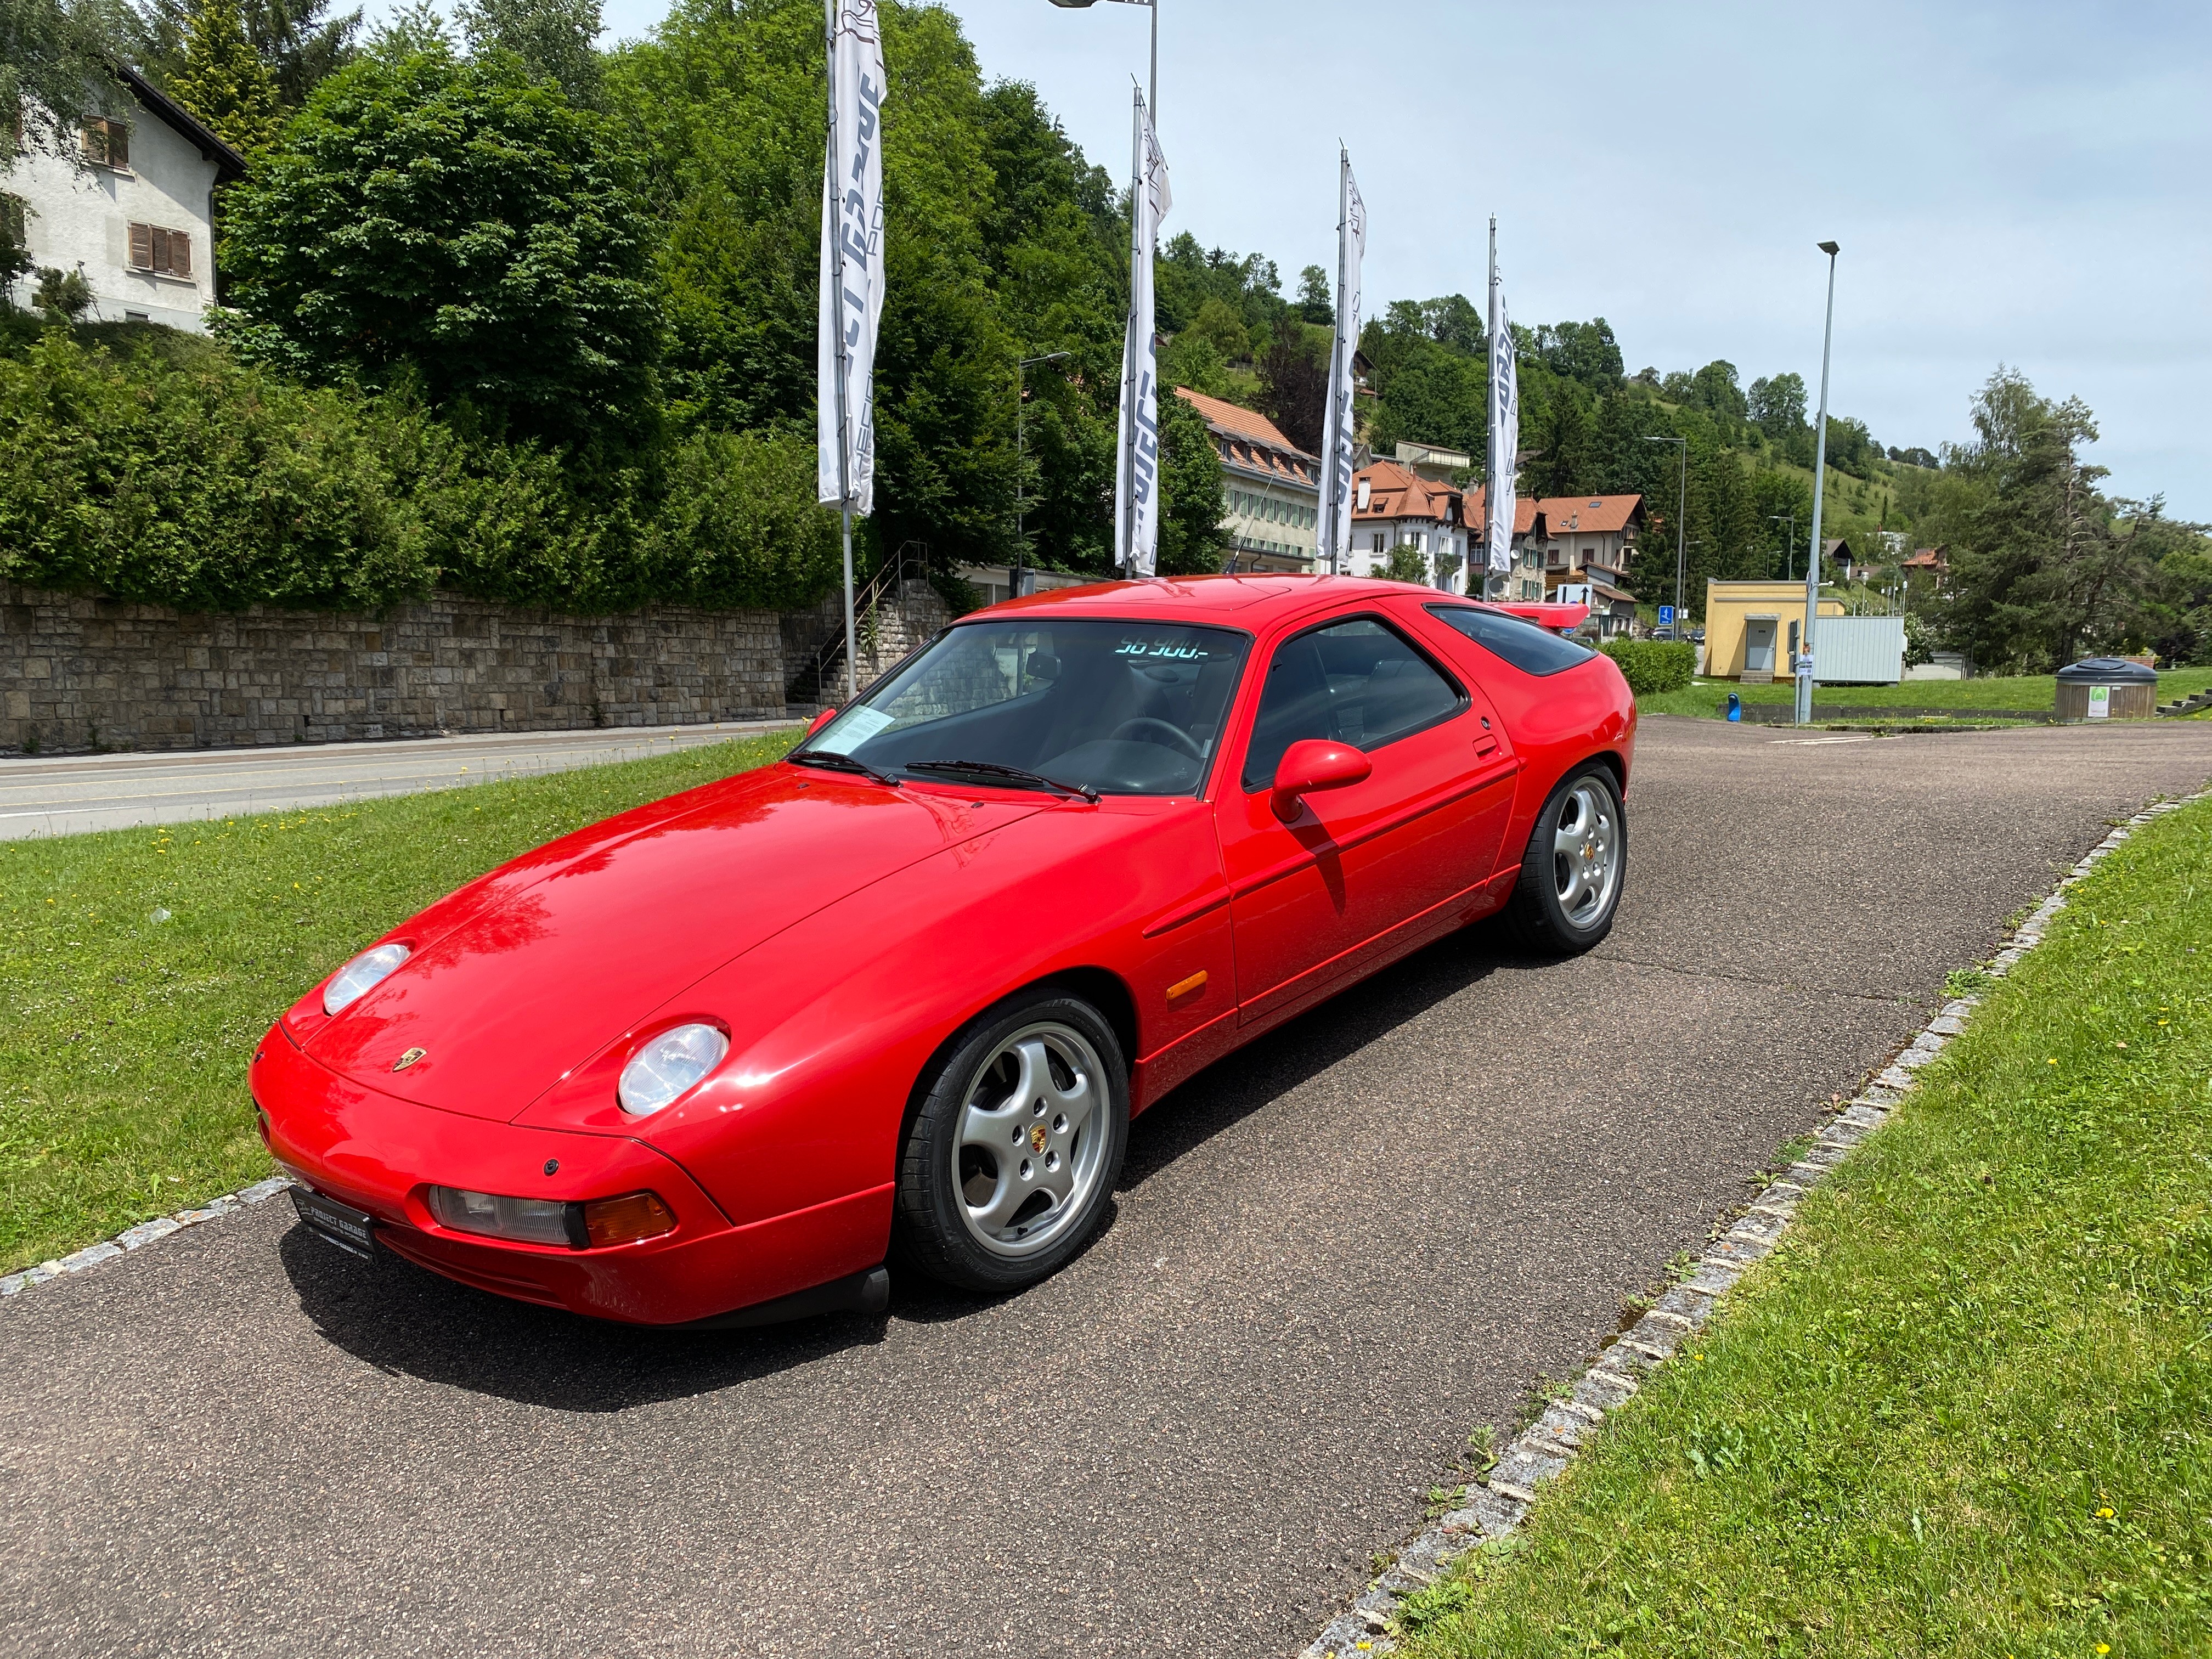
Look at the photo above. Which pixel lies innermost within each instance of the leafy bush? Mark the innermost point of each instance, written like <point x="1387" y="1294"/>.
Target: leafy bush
<point x="1651" y="666"/>
<point x="148" y="465"/>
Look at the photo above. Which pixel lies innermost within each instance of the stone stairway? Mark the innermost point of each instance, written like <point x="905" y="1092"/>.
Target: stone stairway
<point x="2189" y="705"/>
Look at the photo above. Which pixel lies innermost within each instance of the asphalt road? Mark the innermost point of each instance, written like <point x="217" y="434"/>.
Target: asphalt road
<point x="68" y="795"/>
<point x="1333" y="1257"/>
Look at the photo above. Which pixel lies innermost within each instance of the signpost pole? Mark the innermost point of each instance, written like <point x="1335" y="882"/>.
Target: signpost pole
<point x="1820" y="474"/>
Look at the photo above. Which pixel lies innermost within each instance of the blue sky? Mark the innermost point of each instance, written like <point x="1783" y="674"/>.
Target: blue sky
<point x="2025" y="183"/>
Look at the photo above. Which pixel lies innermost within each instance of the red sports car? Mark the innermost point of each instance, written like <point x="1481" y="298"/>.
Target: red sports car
<point x="898" y="995"/>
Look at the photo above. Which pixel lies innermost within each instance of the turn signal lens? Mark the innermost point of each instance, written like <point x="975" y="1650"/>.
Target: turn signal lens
<point x="587" y="1226"/>
<point x="626" y="1220"/>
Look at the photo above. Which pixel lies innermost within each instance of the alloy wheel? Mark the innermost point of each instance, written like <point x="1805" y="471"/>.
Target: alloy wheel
<point x="1032" y="1142"/>
<point x="1586" y="847"/>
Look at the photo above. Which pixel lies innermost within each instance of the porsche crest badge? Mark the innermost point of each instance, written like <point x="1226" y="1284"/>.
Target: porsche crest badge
<point x="1036" y="1137"/>
<point x="408" y="1058"/>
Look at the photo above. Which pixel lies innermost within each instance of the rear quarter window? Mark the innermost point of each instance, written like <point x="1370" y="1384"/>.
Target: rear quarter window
<point x="1531" y="649"/>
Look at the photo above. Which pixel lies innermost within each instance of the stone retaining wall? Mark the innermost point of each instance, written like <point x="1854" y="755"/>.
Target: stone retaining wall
<point x="78" y="673"/>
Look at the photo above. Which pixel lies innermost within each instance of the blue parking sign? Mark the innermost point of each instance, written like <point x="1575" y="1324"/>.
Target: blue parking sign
<point x="1666" y="616"/>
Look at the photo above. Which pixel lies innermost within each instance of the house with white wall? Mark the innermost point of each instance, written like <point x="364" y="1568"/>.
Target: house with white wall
<point x="1394" y="507"/>
<point x="133" y="212"/>
<point x="1524" y="583"/>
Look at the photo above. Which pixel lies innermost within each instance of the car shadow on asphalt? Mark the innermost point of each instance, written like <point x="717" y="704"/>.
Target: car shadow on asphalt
<point x="405" y="1320"/>
<point x="1239" y="1084"/>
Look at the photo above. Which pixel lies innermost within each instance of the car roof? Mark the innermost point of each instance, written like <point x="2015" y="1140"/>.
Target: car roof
<point x="1199" y="598"/>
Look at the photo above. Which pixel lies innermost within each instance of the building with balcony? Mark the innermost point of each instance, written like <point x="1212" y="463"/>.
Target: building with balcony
<point x="1395" y="509"/>
<point x="1588" y="541"/>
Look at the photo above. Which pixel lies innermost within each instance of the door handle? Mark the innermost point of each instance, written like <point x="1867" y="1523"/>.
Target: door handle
<point x="1485" y="745"/>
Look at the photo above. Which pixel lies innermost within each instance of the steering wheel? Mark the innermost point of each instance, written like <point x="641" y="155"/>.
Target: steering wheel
<point x="1172" y="737"/>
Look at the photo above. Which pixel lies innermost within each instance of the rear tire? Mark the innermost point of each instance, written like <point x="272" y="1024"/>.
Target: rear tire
<point x="1013" y="1152"/>
<point x="1575" y="867"/>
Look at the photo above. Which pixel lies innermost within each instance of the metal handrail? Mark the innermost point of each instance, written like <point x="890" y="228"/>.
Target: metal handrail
<point x="888" y="577"/>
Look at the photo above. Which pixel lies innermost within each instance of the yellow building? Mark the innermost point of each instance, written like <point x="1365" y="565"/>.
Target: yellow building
<point x="1751" y="629"/>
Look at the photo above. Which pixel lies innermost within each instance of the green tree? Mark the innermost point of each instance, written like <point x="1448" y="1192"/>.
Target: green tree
<point x="461" y="226"/>
<point x="222" y="79"/>
<point x="1316" y="296"/>
<point x="1194" y="537"/>
<point x="555" y="40"/>
<point x="300" y="41"/>
<point x="1776" y="406"/>
<point x="2041" y="570"/>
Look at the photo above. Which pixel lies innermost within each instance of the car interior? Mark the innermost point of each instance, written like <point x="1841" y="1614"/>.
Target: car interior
<point x="1121" y="708"/>
<point x="1357" y="682"/>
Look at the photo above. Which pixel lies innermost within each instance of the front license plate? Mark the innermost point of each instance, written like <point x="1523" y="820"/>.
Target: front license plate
<point x="341" y="1224"/>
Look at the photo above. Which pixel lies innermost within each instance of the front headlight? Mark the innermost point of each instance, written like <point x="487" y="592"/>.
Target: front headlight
<point x="361" y="975"/>
<point x="670" y="1063"/>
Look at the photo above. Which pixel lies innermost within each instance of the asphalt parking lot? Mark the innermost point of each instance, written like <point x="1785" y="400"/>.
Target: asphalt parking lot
<point x="1333" y="1257"/>
<point x="68" y="795"/>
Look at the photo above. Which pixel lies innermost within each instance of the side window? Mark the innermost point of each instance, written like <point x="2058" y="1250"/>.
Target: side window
<point x="1357" y="682"/>
<point x="1531" y="649"/>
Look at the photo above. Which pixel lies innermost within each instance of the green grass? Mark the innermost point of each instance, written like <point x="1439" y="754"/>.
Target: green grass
<point x="1709" y="698"/>
<point x="1966" y="1408"/>
<point x="124" y="1041"/>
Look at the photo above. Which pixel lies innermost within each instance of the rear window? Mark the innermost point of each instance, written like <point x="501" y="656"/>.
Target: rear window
<point x="1531" y="649"/>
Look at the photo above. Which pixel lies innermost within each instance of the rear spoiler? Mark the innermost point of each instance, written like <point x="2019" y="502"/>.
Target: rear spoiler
<point x="1559" y="618"/>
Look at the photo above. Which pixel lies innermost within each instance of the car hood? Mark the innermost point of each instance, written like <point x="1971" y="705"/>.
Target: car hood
<point x="573" y="942"/>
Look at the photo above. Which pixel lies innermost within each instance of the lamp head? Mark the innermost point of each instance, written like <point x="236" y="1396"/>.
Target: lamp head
<point x="1828" y="248"/>
<point x="1074" y="5"/>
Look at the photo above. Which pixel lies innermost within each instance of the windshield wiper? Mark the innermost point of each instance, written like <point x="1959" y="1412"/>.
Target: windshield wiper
<point x="1013" y="775"/>
<point x="834" y="763"/>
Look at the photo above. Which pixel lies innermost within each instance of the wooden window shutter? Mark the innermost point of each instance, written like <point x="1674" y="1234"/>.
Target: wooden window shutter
<point x="180" y="252"/>
<point x="161" y="249"/>
<point x="142" y="246"/>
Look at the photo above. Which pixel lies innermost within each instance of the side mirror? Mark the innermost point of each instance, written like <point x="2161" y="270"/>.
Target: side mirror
<point x="821" y="720"/>
<point x="1314" y="763"/>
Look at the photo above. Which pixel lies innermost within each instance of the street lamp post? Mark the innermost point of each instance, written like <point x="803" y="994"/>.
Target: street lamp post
<point x="1681" y="518"/>
<point x="1152" y="83"/>
<point x="1021" y="470"/>
<point x="1790" y="547"/>
<point x="1819" y="478"/>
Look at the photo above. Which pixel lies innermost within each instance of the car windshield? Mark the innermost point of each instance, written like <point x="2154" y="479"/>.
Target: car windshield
<point x="1122" y="709"/>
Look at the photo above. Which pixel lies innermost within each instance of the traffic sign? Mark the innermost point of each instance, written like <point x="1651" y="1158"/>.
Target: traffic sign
<point x="1666" y="616"/>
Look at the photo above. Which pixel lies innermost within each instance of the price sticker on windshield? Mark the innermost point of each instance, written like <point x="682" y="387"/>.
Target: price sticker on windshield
<point x="1172" y="648"/>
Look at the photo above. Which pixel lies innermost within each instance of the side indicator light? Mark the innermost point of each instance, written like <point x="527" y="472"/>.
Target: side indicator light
<point x="626" y="1220"/>
<point x="1185" y="988"/>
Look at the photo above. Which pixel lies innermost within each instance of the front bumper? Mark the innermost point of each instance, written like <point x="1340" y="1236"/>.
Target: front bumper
<point x="381" y="1154"/>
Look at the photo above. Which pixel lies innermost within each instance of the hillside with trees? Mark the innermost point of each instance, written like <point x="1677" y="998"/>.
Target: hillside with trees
<point x="507" y="314"/>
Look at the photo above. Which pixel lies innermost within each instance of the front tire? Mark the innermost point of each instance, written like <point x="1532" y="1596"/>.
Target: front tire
<point x="1575" y="864"/>
<point x="1012" y="1154"/>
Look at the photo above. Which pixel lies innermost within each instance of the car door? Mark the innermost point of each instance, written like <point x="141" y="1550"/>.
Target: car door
<point x="1367" y="871"/>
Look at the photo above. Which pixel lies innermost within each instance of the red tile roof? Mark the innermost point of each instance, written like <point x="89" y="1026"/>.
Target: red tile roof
<point x="1524" y="510"/>
<point x="1398" y="492"/>
<point x="1928" y="558"/>
<point x="1591" y="515"/>
<point x="1235" y="421"/>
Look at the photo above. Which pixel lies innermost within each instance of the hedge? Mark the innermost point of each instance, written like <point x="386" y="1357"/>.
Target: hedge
<point x="144" y="464"/>
<point x="1651" y="666"/>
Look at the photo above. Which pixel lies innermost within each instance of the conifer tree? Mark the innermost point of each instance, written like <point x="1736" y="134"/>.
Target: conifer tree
<point x="223" y="80"/>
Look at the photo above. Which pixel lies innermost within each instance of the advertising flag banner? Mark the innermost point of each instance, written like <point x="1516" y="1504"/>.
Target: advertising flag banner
<point x="852" y="294"/>
<point x="1504" y="428"/>
<point x="1337" y="422"/>
<point x="1137" y="451"/>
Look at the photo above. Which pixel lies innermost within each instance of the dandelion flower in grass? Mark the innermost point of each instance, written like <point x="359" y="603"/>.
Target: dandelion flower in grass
<point x="2104" y="1515"/>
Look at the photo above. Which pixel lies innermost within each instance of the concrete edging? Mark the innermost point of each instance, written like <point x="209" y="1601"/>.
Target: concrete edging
<point x="1493" y="1506"/>
<point x="137" y="1237"/>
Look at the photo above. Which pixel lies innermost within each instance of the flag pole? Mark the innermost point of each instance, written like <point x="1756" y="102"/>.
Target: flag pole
<point x="1130" y="352"/>
<point x="1341" y="367"/>
<point x="844" y="432"/>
